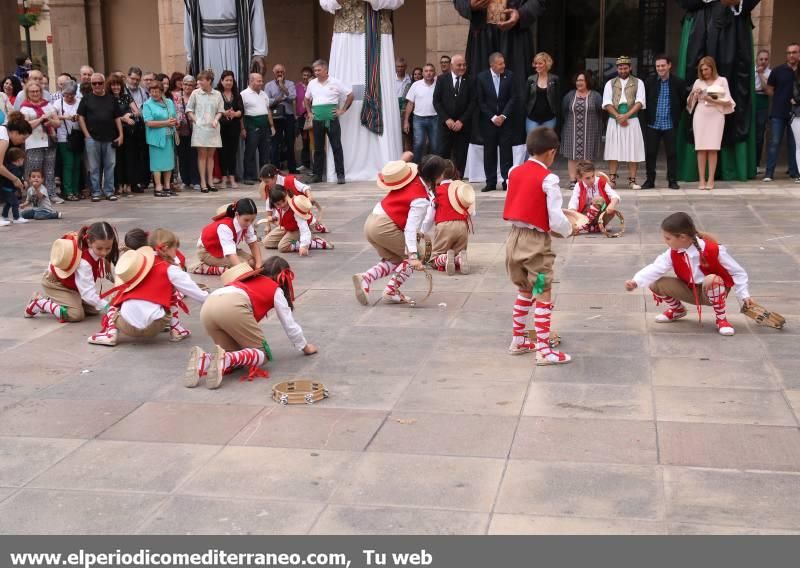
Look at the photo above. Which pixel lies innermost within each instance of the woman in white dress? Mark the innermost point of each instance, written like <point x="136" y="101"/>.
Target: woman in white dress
<point x="365" y="152"/>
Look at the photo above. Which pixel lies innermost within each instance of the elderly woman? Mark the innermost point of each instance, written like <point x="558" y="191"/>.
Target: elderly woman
<point x="204" y="109"/>
<point x="710" y="100"/>
<point x="543" y="94"/>
<point x="40" y="147"/>
<point x="160" y="120"/>
<point x="69" y="152"/>
<point x="187" y="155"/>
<point x="582" y="109"/>
<point x="127" y="165"/>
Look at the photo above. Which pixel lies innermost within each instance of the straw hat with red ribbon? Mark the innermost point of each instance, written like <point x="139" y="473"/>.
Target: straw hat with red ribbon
<point x="131" y="269"/>
<point x="461" y="196"/>
<point x="396" y="175"/>
<point x="241" y="271"/>
<point x="222" y="211"/>
<point x="301" y="205"/>
<point x="65" y="256"/>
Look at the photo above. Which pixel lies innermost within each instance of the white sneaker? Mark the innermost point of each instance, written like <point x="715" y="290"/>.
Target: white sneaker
<point x="57" y="200"/>
<point x="4" y="222"/>
<point x="633" y="185"/>
<point x="767" y="179"/>
<point x="20" y="221"/>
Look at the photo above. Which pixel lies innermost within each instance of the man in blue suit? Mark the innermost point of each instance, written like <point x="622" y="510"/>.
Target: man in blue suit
<point x="497" y="101"/>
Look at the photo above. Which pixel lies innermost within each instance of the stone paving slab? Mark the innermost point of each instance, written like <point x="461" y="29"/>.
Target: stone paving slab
<point x="431" y="428"/>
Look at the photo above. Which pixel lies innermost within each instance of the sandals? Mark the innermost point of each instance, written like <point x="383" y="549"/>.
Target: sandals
<point x="361" y="294"/>
<point x="613" y="179"/>
<point x="398" y="298"/>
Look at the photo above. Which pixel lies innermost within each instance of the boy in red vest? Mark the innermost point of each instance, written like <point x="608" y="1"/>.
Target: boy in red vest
<point x="271" y="176"/>
<point x="533" y="206"/>
<point x="704" y="274"/>
<point x="592" y="195"/>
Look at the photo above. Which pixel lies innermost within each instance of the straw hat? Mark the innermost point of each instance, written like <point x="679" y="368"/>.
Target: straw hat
<point x="301" y="205"/>
<point x="396" y="175"/>
<point x="461" y="196"/>
<point x="133" y="266"/>
<point x="237" y="273"/>
<point x="65" y="256"/>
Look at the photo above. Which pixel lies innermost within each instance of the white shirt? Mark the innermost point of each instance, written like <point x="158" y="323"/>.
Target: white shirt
<point x="293" y="331"/>
<point x="759" y="87"/>
<point x="558" y="221"/>
<point x="255" y="104"/>
<point x="68" y="110"/>
<point x="400" y="85"/>
<point x="39" y="138"/>
<point x="302" y="225"/>
<point x="226" y="239"/>
<point x="85" y="282"/>
<point x="591" y="193"/>
<point x="141" y="313"/>
<point x="416" y="217"/>
<point x="421" y="94"/>
<point x="328" y="93"/>
<point x="608" y="93"/>
<point x="663" y="264"/>
<point x="280" y="180"/>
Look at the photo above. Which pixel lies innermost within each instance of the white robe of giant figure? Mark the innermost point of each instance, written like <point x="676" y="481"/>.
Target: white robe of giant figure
<point x="365" y="151"/>
<point x="224" y="34"/>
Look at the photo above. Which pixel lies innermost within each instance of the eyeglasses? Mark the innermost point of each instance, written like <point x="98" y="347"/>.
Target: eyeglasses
<point x="97" y="83"/>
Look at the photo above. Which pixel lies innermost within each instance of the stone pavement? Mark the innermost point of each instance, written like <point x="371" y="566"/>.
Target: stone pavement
<point x="431" y="427"/>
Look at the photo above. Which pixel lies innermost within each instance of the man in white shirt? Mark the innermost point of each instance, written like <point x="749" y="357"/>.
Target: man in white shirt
<point x="258" y="126"/>
<point x="426" y="122"/>
<point x="323" y="96"/>
<point x="762" y="100"/>
<point x="402" y="83"/>
<point x="623" y="98"/>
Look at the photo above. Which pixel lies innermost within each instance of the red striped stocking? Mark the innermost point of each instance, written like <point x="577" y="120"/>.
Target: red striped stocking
<point x="318" y="243"/>
<point x="401" y="274"/>
<point x="717" y="294"/>
<point x="248" y="357"/>
<point x="542" y="314"/>
<point x="522" y="308"/>
<point x="44" y="305"/>
<point x="440" y="262"/>
<point x="208" y="270"/>
<point x="382" y="269"/>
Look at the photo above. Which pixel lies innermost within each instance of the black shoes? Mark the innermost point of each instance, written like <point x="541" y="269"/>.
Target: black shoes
<point x="505" y="186"/>
<point x="315" y="179"/>
<point x="489" y="188"/>
<point x="340" y="180"/>
<point x="674" y="185"/>
<point x="648" y="184"/>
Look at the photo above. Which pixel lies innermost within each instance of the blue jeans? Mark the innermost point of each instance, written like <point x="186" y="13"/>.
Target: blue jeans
<point x="12" y="202"/>
<point x="39" y="214"/>
<point x="426" y="129"/>
<point x="777" y="127"/>
<point x="102" y="159"/>
<point x="531" y="124"/>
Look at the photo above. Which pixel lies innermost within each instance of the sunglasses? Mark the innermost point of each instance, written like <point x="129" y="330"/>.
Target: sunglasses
<point x="97" y="83"/>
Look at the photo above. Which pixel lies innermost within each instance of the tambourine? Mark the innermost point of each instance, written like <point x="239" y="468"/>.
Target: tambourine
<point x="299" y="392"/>
<point x="605" y="230"/>
<point x="424" y="248"/>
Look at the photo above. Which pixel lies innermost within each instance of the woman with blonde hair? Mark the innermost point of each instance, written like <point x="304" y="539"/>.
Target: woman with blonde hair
<point x="543" y="94"/>
<point x="709" y="101"/>
<point x="204" y="109"/>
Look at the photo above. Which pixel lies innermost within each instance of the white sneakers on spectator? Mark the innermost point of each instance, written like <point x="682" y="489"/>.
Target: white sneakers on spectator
<point x="767" y="179"/>
<point x="57" y="200"/>
<point x="20" y="221"/>
<point x="4" y="222"/>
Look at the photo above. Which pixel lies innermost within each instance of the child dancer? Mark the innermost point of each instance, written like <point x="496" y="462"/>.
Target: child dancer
<point x="292" y="233"/>
<point x="231" y="316"/>
<point x="38" y="199"/>
<point x="533" y="206"/>
<point x="14" y="163"/>
<point x="271" y="176"/>
<point x="591" y="194"/>
<point x="137" y="238"/>
<point x="393" y="225"/>
<point x="77" y="263"/>
<point x="217" y="247"/>
<point x="454" y="207"/>
<point x="704" y="269"/>
<point x="150" y="289"/>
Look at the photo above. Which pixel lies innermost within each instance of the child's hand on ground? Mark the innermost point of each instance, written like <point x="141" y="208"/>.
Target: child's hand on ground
<point x="303" y="251"/>
<point x="630" y="285"/>
<point x="309" y="349"/>
<point x="748" y="302"/>
<point x="415" y="263"/>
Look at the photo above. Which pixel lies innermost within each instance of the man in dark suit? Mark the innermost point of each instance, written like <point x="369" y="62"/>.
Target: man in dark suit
<point x="666" y="99"/>
<point x="454" y="101"/>
<point x="497" y="100"/>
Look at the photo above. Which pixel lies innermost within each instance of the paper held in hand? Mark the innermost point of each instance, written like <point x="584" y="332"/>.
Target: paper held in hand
<point x="496" y="12"/>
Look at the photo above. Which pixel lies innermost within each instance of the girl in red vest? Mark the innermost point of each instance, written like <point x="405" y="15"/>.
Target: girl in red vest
<point x="454" y="206"/>
<point x="591" y="194"/>
<point x="77" y="263"/>
<point x="704" y="269"/>
<point x="393" y="226"/>
<point x="293" y="233"/>
<point x="137" y="238"/>
<point x="270" y="177"/>
<point x="231" y="316"/>
<point x="218" y="246"/>
<point x="533" y="206"/>
<point x="151" y="287"/>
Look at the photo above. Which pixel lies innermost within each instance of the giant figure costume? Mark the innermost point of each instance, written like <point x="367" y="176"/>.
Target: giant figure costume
<point x="362" y="56"/>
<point x="725" y="32"/>
<point x="516" y="45"/>
<point x="224" y="34"/>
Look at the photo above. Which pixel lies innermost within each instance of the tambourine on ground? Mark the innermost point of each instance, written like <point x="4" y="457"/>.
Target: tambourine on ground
<point x="299" y="392"/>
<point x="611" y="233"/>
<point x="763" y="316"/>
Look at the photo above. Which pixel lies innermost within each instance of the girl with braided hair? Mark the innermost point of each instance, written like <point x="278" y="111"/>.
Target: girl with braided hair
<point x="218" y="245"/>
<point x="704" y="274"/>
<point x="231" y="316"/>
<point x="78" y="262"/>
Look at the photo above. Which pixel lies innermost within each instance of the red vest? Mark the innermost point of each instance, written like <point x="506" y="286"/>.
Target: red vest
<point x="156" y="287"/>
<point x="526" y="200"/>
<point x="261" y="291"/>
<point x="397" y="203"/>
<point x="287" y="220"/>
<point x="98" y="270"/>
<point x="709" y="264"/>
<point x="444" y="209"/>
<point x="291" y="187"/>
<point x="210" y="238"/>
<point x="601" y="187"/>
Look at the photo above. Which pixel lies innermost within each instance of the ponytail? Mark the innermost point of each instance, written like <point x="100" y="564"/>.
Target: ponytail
<point x="244" y="206"/>
<point x="277" y="268"/>
<point x="162" y="239"/>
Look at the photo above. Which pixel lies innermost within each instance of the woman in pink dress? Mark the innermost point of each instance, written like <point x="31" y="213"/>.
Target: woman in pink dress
<point x="710" y="100"/>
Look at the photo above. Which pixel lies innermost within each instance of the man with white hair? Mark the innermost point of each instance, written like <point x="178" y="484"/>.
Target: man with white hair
<point x="258" y="126"/>
<point x="282" y="96"/>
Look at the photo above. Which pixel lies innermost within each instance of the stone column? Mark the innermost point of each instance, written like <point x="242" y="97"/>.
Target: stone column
<point x="446" y="30"/>
<point x="762" y="22"/>
<point x="10" y="44"/>
<point x="70" y="41"/>
<point x="170" y="31"/>
<point x="94" y="33"/>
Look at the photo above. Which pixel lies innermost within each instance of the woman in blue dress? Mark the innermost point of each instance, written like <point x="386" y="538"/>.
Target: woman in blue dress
<point x="160" y="120"/>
